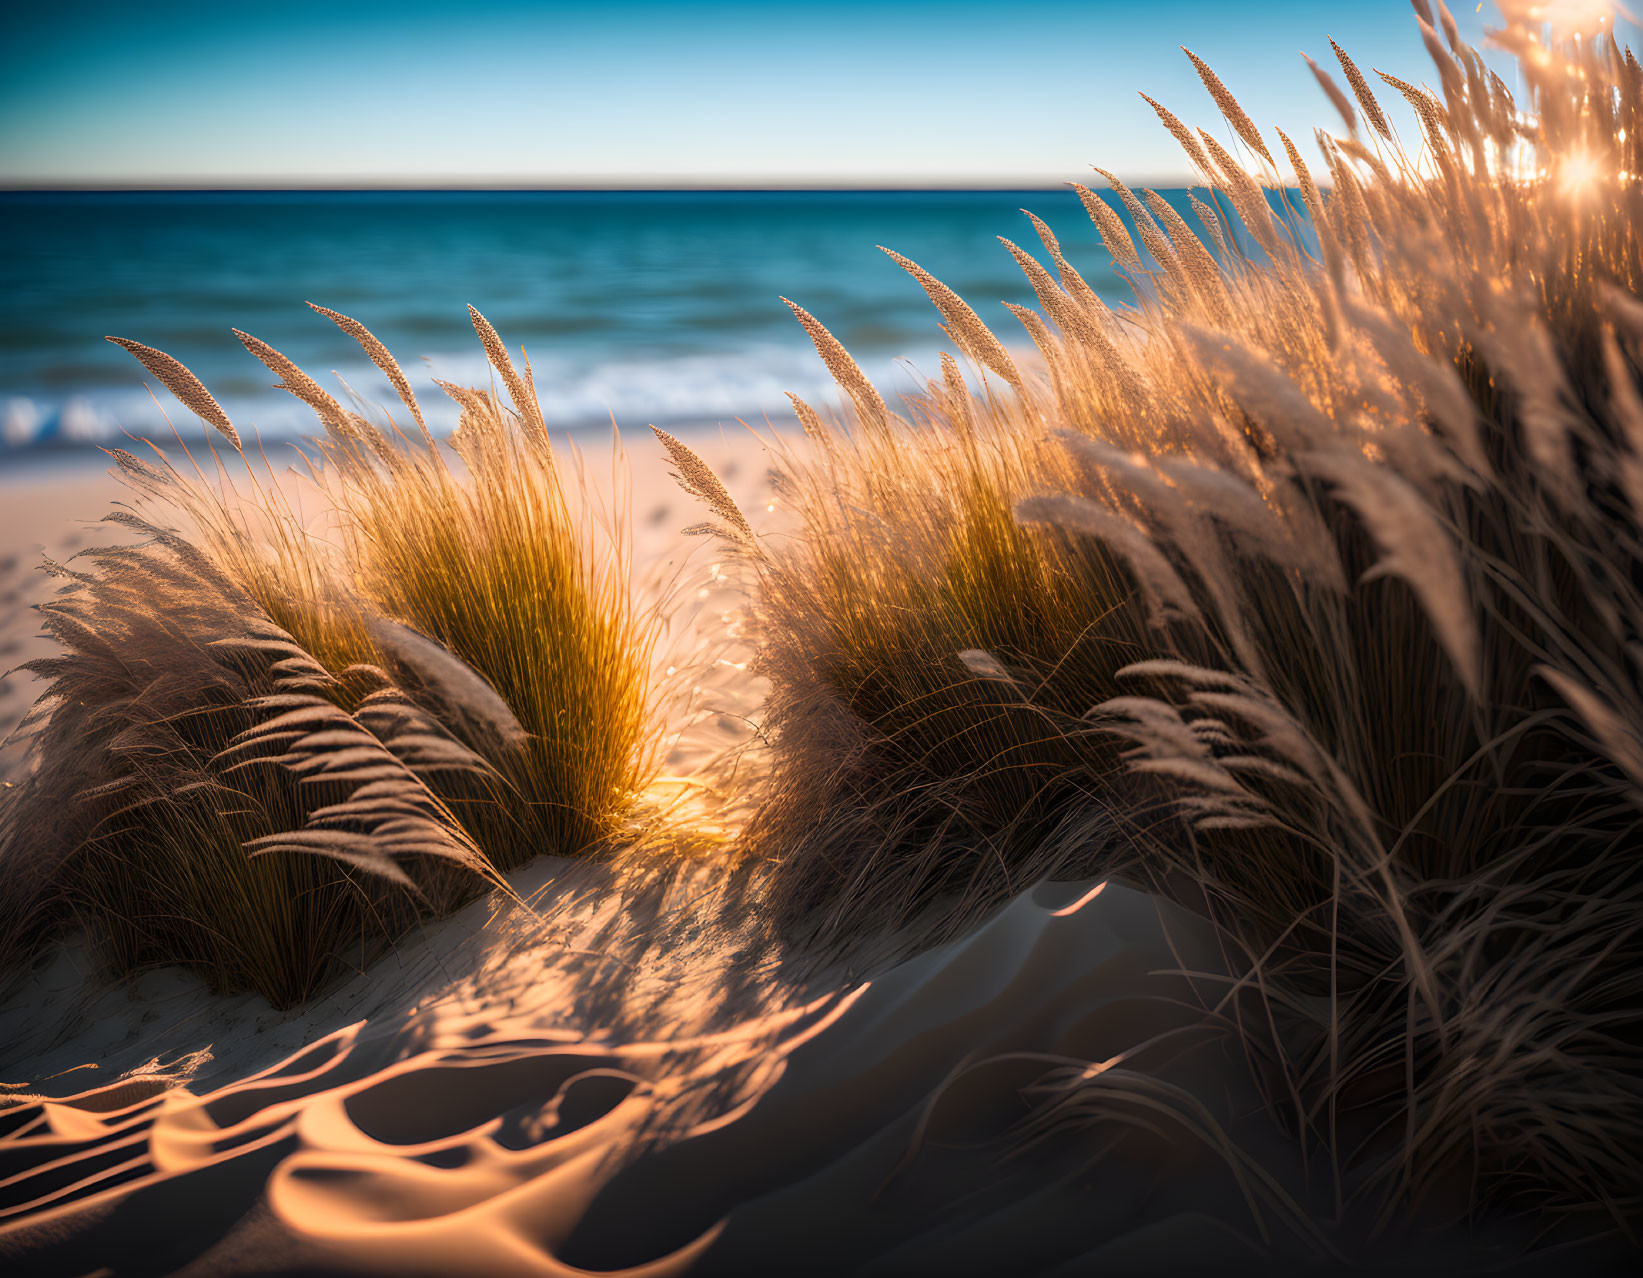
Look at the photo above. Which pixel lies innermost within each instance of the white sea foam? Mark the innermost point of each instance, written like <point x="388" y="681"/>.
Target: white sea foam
<point x="84" y="420"/>
<point x="21" y="422"/>
<point x="748" y="383"/>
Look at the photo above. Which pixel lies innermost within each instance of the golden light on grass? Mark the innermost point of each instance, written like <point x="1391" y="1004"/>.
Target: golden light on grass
<point x="1314" y="610"/>
<point x="1566" y="19"/>
<point x="283" y="743"/>
<point x="1302" y="591"/>
<point x="1577" y="174"/>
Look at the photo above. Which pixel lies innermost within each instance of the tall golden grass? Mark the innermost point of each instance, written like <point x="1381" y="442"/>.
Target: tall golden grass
<point x="1305" y="591"/>
<point x="266" y="749"/>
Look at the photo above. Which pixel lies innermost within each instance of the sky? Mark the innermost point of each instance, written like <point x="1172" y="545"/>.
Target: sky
<point x="896" y="92"/>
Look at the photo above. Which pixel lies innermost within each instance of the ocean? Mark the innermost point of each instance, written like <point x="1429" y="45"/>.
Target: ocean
<point x="652" y="306"/>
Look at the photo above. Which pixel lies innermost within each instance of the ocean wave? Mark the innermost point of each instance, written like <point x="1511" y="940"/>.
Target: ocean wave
<point x="576" y="394"/>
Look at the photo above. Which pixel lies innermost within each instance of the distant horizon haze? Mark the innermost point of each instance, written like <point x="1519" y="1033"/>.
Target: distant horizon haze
<point x="708" y="183"/>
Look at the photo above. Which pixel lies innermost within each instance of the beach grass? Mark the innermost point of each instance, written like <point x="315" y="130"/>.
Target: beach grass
<point x="265" y="749"/>
<point x="1304" y="591"/>
<point x="927" y="650"/>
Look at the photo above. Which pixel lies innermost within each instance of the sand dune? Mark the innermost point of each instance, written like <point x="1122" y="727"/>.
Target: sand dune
<point x="630" y="1078"/>
<point x="516" y="1124"/>
<point x="569" y="1094"/>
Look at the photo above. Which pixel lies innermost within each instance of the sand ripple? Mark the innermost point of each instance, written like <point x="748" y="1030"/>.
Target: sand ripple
<point x="864" y="1129"/>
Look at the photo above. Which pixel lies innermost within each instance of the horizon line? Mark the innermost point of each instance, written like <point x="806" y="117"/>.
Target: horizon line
<point x="1171" y="181"/>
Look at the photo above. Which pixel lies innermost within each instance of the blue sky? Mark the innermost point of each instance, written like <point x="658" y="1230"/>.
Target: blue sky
<point x="896" y="92"/>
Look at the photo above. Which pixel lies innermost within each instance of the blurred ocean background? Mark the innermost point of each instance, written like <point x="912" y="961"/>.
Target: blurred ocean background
<point x="649" y="306"/>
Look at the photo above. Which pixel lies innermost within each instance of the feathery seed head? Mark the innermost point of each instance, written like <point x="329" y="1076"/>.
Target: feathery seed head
<point x="697" y="478"/>
<point x="294" y="380"/>
<point x="1181" y="134"/>
<point x="1235" y="114"/>
<point x="846" y="372"/>
<point x="523" y="396"/>
<point x="188" y="389"/>
<point x="1360" y="88"/>
<point x="1114" y="237"/>
<point x="378" y="355"/>
<point x="963" y="323"/>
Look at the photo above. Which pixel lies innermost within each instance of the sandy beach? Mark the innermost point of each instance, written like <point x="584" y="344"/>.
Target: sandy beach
<point x="631" y="1076"/>
<point x="625" y="1076"/>
<point x="1146" y="782"/>
<point x="495" y="1100"/>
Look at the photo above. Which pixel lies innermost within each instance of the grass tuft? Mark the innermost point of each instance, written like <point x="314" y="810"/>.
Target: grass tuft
<point x="1305" y="592"/>
<point x="265" y="749"/>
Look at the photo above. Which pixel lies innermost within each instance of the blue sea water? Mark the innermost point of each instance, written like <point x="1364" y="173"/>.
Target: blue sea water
<point x="651" y="306"/>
